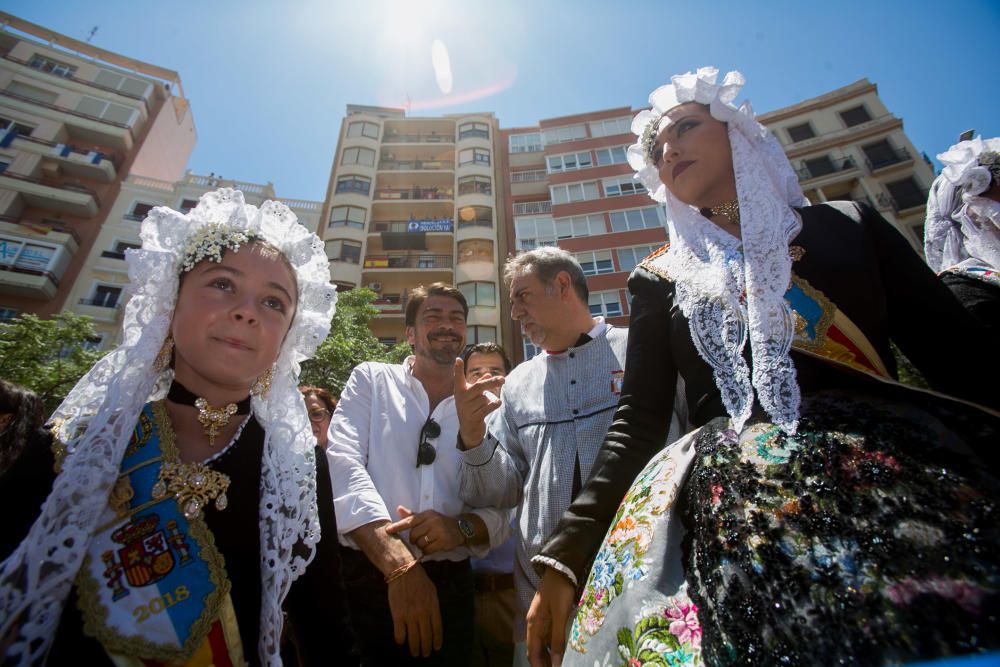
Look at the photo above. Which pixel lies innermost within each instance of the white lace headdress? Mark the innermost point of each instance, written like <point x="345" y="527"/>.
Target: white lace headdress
<point x="98" y="416"/>
<point x="732" y="290"/>
<point x="961" y="224"/>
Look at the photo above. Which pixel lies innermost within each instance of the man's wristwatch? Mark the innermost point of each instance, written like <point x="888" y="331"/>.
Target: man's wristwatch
<point x="466" y="528"/>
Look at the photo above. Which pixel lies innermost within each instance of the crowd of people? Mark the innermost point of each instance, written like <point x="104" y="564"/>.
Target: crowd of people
<point x="736" y="478"/>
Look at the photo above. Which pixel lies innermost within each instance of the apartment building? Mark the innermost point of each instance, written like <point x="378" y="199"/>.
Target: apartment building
<point x="568" y="184"/>
<point x="846" y="144"/>
<point x="74" y="121"/>
<point x="99" y="289"/>
<point x="412" y="201"/>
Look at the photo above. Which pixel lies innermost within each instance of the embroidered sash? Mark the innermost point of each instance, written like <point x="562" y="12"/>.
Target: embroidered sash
<point x="153" y="588"/>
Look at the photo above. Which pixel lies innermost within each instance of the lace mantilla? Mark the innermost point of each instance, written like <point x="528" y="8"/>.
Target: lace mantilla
<point x="961" y="224"/>
<point x="732" y="291"/>
<point x="96" y="420"/>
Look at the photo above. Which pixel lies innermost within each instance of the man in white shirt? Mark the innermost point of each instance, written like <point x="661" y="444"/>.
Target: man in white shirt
<point x="394" y="468"/>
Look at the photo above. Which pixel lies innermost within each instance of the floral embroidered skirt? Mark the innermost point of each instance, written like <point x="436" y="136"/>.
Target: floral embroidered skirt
<point x="870" y="537"/>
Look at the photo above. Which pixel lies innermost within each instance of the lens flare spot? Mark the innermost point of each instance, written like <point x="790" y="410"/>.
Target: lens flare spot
<point x="442" y="66"/>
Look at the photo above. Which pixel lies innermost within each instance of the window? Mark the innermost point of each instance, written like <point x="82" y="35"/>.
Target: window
<point x="560" y="135"/>
<point x="607" y="303"/>
<point x="532" y="207"/>
<point x="607" y="128"/>
<point x="616" y="155"/>
<point x="139" y="211"/>
<point x="475" y="216"/>
<point x="4" y="163"/>
<point x="362" y="156"/>
<point x="187" y="204"/>
<point x="125" y="84"/>
<point x="32" y="92"/>
<point x="563" y="194"/>
<point x="7" y="313"/>
<point x="569" y="162"/>
<point x="348" y="216"/>
<point x="596" y="262"/>
<point x="800" y="132"/>
<point x="20" y="128"/>
<point x="113" y="113"/>
<point x="907" y="193"/>
<point x="362" y="129"/>
<point x="637" y="218"/>
<point x="475" y="250"/>
<point x="881" y="154"/>
<point x="474" y="156"/>
<point x="357" y="184"/>
<point x="469" y="130"/>
<point x="479" y="185"/>
<point x="629" y="258"/>
<point x="96" y="343"/>
<point x="344" y="251"/>
<point x="105" y="296"/>
<point x="529" y="349"/>
<point x="525" y="143"/>
<point x="532" y="232"/>
<point x="118" y="250"/>
<point x="580" y="225"/>
<point x="52" y="66"/>
<point x="480" y="334"/>
<point x="819" y="166"/>
<point x="623" y="185"/>
<point x="855" y="116"/>
<point x="388" y="341"/>
<point x="479" y="293"/>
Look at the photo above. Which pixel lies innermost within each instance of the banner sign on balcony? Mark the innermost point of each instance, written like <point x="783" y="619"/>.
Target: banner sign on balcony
<point x="441" y="225"/>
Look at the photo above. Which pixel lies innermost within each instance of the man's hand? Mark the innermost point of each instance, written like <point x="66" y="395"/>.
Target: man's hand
<point x="416" y="615"/>
<point x="547" y="619"/>
<point x="431" y="531"/>
<point x="473" y="402"/>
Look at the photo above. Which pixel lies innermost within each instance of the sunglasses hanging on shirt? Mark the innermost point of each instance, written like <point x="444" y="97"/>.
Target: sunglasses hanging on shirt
<point x="426" y="452"/>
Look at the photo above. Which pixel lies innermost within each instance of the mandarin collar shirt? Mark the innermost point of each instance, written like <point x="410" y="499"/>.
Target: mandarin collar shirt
<point x="373" y="441"/>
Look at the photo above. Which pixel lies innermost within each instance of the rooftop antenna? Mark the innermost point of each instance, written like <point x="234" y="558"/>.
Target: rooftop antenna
<point x="90" y="35"/>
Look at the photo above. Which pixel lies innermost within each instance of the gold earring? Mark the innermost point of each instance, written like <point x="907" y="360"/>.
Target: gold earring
<point x="165" y="355"/>
<point x="262" y="384"/>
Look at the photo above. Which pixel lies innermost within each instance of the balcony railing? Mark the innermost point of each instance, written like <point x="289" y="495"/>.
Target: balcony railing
<point x="357" y="187"/>
<point x="430" y="138"/>
<point x="888" y="158"/>
<point x="528" y="176"/>
<point x="72" y="187"/>
<point x="404" y="261"/>
<point x="533" y="207"/>
<point x="885" y="200"/>
<point x="414" y="193"/>
<point x="42" y="226"/>
<point x="72" y="112"/>
<point x="470" y="134"/>
<point x="835" y="166"/>
<point x="65" y="150"/>
<point x="462" y="224"/>
<point x="415" y="165"/>
<point x="130" y="96"/>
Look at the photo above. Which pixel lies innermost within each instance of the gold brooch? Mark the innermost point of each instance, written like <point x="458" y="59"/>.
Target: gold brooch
<point x="796" y="252"/>
<point x="121" y="496"/>
<point x="731" y="209"/>
<point x="212" y="419"/>
<point x="193" y="485"/>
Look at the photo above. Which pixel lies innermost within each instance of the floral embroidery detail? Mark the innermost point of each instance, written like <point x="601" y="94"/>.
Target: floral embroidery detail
<point x="622" y="559"/>
<point x="665" y="634"/>
<point x="208" y="242"/>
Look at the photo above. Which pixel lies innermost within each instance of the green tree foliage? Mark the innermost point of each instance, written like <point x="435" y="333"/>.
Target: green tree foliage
<point x="350" y="342"/>
<point x="47" y="356"/>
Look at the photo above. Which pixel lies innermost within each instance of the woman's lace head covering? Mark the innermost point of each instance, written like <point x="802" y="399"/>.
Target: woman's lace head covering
<point x="732" y="290"/>
<point x="961" y="224"/>
<point x="97" y="418"/>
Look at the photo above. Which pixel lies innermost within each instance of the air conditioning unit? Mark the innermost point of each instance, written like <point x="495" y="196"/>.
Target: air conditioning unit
<point x="375" y="287"/>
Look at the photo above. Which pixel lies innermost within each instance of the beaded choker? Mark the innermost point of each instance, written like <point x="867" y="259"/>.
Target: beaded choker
<point x="731" y="209"/>
<point x="211" y="419"/>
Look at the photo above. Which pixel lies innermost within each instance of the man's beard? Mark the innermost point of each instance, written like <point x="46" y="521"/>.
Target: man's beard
<point x="536" y="335"/>
<point x="441" y="355"/>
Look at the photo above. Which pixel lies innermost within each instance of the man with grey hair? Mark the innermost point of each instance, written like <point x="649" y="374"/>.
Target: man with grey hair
<point x="555" y="409"/>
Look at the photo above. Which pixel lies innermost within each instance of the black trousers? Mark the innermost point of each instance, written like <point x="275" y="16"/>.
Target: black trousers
<point x="368" y="599"/>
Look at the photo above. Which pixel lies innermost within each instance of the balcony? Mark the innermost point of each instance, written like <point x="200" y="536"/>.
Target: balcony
<point x="821" y="169"/>
<point x="533" y="207"/>
<point x="416" y="165"/>
<point x="66" y="198"/>
<point x="81" y="126"/>
<point x="414" y="193"/>
<point x="33" y="266"/>
<point x="101" y="310"/>
<point x="390" y="304"/>
<point x="83" y="82"/>
<point x="902" y="206"/>
<point x="409" y="261"/>
<point x="529" y="176"/>
<point x="391" y="137"/>
<point x="887" y="158"/>
<point x="72" y="161"/>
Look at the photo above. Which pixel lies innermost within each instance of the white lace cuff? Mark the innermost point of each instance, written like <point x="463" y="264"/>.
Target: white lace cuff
<point x="557" y="566"/>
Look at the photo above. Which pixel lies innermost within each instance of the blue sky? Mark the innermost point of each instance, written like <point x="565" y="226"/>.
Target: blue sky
<point x="269" y="81"/>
